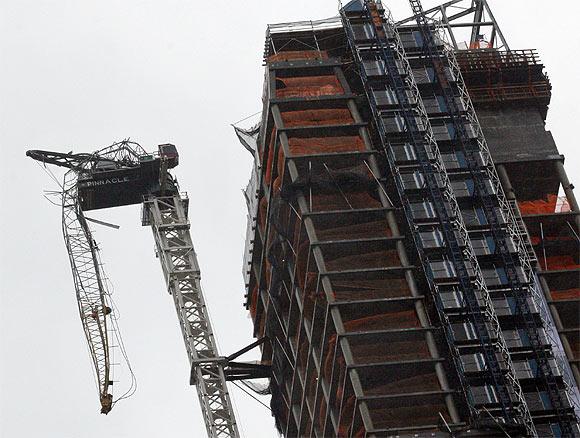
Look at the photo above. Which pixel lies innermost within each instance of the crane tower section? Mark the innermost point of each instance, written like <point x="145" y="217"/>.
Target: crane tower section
<point x="167" y="216"/>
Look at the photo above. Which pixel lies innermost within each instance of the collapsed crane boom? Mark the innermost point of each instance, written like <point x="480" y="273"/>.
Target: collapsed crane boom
<point x="92" y="294"/>
<point x="91" y="291"/>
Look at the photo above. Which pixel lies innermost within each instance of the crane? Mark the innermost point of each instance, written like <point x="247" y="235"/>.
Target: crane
<point x="124" y="174"/>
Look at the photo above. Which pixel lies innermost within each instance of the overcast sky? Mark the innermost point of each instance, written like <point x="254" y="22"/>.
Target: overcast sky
<point x="79" y="75"/>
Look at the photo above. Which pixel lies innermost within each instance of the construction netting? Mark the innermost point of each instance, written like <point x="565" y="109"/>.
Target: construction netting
<point x="262" y="213"/>
<point x="551" y="204"/>
<point x="351" y="288"/>
<point x="302" y="356"/>
<point x="548" y="241"/>
<point x="557" y="263"/>
<point x="386" y="321"/>
<point x="300" y="147"/>
<point x="361" y="289"/>
<point x="298" y="55"/>
<point x="346" y="417"/>
<point x="329" y="189"/>
<point x="329" y="357"/>
<point x="308" y="86"/>
<point x="354" y="230"/>
<point x="395" y="383"/>
<point x="501" y="93"/>
<point x="346" y="425"/>
<point x="574" y="344"/>
<point x="311" y="221"/>
<point x="269" y="168"/>
<point x="343" y="201"/>
<point x="325" y="145"/>
<point x="371" y="351"/>
<point x="406" y="411"/>
<point x="567" y="294"/>
<point x="253" y="299"/>
<point x="317" y="117"/>
<point x="342" y="260"/>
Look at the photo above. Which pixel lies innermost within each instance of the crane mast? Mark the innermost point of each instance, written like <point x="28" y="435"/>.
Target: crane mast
<point x="167" y="216"/>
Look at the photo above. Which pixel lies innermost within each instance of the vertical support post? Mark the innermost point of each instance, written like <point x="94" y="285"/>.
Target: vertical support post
<point x="476" y="27"/>
<point x="496" y="27"/>
<point x="442" y="8"/>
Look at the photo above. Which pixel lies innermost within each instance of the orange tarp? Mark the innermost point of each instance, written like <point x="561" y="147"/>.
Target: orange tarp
<point x="322" y="413"/>
<point x="310" y="287"/>
<point x="336" y="201"/>
<point x="302" y="261"/>
<point x="421" y="382"/>
<point x="369" y="289"/>
<point x="254" y="302"/>
<point x="328" y="358"/>
<point x="407" y="414"/>
<point x="362" y="230"/>
<point x="309" y="86"/>
<point x="346" y="417"/>
<point x="536" y="240"/>
<point x="391" y="351"/>
<point x="321" y="145"/>
<point x="552" y="204"/>
<point x="568" y="294"/>
<point x="297" y="55"/>
<point x="557" y="263"/>
<point x="392" y="320"/>
<point x="261" y="325"/>
<point x="403" y="319"/>
<point x="276" y="186"/>
<point x="316" y="145"/>
<point x="377" y="259"/>
<point x="317" y="117"/>
<point x="262" y="212"/>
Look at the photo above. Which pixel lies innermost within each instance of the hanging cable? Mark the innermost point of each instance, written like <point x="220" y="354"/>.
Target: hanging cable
<point x="251" y="395"/>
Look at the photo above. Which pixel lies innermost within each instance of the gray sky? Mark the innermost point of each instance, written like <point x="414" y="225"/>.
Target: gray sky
<point x="79" y="75"/>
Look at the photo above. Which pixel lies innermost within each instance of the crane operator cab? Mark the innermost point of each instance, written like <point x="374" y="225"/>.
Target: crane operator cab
<point x="168" y="152"/>
<point x="109" y="183"/>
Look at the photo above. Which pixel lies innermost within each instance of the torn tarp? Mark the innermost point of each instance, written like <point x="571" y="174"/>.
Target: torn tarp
<point x="249" y="137"/>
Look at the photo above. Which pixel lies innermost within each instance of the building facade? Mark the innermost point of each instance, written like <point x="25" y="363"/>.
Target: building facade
<point x="409" y="257"/>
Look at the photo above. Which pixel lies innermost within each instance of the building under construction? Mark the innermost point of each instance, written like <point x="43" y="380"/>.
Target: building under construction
<point x="408" y="285"/>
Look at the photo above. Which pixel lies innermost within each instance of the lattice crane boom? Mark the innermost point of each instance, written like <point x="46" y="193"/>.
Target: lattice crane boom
<point x="92" y="294"/>
<point x="91" y="291"/>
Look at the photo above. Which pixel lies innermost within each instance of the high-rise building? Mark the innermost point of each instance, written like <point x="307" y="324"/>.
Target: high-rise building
<point x="406" y="284"/>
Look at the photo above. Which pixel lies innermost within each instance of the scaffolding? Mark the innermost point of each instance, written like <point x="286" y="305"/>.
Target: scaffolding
<point x="437" y="191"/>
<point x="502" y="224"/>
